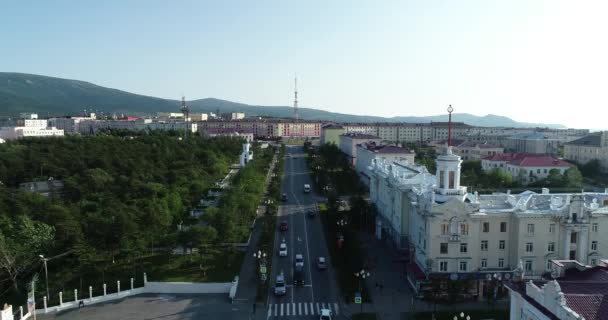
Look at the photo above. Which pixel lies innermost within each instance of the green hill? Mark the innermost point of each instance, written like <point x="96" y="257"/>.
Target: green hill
<point x="49" y="96"/>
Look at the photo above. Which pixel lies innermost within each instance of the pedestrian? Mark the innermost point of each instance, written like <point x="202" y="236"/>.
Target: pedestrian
<point x="254" y="308"/>
<point x="377" y="286"/>
<point x="81" y="304"/>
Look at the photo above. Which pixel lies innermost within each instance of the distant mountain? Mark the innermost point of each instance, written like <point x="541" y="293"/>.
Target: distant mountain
<point x="50" y="96"/>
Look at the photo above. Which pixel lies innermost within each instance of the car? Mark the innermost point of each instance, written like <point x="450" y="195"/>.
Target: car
<point x="283" y="249"/>
<point x="306" y="188"/>
<point x="311" y="213"/>
<point x="279" y="285"/>
<point x="284" y="197"/>
<point x="325" y="314"/>
<point x="283" y="226"/>
<point x="299" y="260"/>
<point x="321" y="263"/>
<point x="298" y="275"/>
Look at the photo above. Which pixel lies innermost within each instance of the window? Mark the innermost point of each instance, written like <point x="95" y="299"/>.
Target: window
<point x="441" y="180"/>
<point x="484" y="263"/>
<point x="549" y="263"/>
<point x="444" y="229"/>
<point x="452" y="178"/>
<point x="530" y="229"/>
<point x="463" y="247"/>
<point x="573" y="237"/>
<point x="528" y="265"/>
<point x="443" y="249"/>
<point x="484" y="245"/>
<point x="501" y="245"/>
<point x="501" y="263"/>
<point x="537" y="170"/>
<point x="529" y="247"/>
<point x="503" y="227"/>
<point x="594" y="227"/>
<point x="594" y="245"/>
<point x="463" y="266"/>
<point x="545" y="171"/>
<point x="552" y="228"/>
<point x="551" y="247"/>
<point x="593" y="262"/>
<point x="486" y="227"/>
<point x="464" y="229"/>
<point x="443" y="266"/>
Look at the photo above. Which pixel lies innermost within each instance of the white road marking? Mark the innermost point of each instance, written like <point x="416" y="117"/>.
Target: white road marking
<point x="318" y="310"/>
<point x="269" y="311"/>
<point x="337" y="308"/>
<point x="276" y="309"/>
<point x="287" y="307"/>
<point x="299" y="308"/>
<point x="312" y="310"/>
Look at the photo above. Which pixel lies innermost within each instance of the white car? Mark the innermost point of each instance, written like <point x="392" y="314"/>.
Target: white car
<point x="283" y="249"/>
<point x="325" y="314"/>
<point x="299" y="260"/>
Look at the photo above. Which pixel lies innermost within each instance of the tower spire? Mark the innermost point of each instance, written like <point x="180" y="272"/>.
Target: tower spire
<point x="450" y="109"/>
<point x="295" y="100"/>
<point x="185" y="110"/>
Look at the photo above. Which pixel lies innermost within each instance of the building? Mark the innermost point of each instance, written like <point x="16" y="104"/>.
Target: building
<point x="574" y="291"/>
<point x="591" y="147"/>
<point x="70" y="125"/>
<point x="536" y="142"/>
<point x="366" y="152"/>
<point x="349" y="141"/>
<point x="268" y="128"/>
<point x="45" y="188"/>
<point x="132" y="123"/>
<point x="524" y="167"/>
<point x="330" y="133"/>
<point x="27" y="115"/>
<point x="30" y="128"/>
<point x="452" y="234"/>
<point x="246" y="134"/>
<point x="230" y="116"/>
<point x="473" y="150"/>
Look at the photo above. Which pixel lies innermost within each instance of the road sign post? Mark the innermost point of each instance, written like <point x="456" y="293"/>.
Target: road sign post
<point x="358" y="300"/>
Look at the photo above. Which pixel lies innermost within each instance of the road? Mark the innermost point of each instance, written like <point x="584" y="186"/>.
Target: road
<point x="304" y="236"/>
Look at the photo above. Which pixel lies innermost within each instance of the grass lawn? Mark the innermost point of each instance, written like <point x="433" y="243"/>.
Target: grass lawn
<point x="475" y="315"/>
<point x="173" y="268"/>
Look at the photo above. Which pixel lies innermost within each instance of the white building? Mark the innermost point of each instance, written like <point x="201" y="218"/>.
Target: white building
<point x="524" y="167"/>
<point x="349" y="141"/>
<point x="29" y="128"/>
<point x="366" y="152"/>
<point x="70" y="125"/>
<point x="463" y="236"/>
<point x="574" y="291"/>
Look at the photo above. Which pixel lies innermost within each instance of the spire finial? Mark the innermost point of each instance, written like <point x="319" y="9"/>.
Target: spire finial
<point x="450" y="110"/>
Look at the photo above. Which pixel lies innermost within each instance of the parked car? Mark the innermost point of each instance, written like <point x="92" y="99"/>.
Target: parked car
<point x="283" y="226"/>
<point x="284" y="197"/>
<point x="299" y="260"/>
<point x="321" y="263"/>
<point x="306" y="188"/>
<point x="279" y="285"/>
<point x="311" y="213"/>
<point x="298" y="275"/>
<point x="283" y="249"/>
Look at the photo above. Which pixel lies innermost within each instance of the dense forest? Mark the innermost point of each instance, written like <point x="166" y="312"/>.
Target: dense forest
<point x="124" y="195"/>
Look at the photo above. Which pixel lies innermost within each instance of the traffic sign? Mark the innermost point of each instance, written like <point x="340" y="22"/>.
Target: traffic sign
<point x="357" y="298"/>
<point x="263" y="269"/>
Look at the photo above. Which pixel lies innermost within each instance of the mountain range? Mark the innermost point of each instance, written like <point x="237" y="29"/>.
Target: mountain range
<point x="50" y="96"/>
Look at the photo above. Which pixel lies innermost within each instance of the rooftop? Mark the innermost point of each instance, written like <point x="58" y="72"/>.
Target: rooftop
<point x="356" y="135"/>
<point x="592" y="140"/>
<point x="332" y="126"/>
<point x="528" y="160"/>
<point x="378" y="148"/>
<point x="473" y="144"/>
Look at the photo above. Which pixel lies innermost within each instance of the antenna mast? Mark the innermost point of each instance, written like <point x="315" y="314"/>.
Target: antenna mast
<point x="295" y="101"/>
<point x="185" y="110"/>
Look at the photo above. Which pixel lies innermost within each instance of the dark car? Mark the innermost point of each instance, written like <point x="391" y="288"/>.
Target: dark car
<point x="284" y="197"/>
<point x="298" y="275"/>
<point x="311" y="213"/>
<point x="283" y="226"/>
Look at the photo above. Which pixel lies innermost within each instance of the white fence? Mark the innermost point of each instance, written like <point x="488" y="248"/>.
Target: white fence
<point x="149" y="287"/>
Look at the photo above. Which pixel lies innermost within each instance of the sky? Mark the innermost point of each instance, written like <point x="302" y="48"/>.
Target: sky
<point x="530" y="60"/>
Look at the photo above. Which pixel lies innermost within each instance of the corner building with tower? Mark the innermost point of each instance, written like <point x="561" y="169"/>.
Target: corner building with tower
<point x="482" y="241"/>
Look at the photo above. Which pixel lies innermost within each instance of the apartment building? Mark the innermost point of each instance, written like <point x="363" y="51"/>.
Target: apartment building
<point x="591" y="147"/>
<point x="330" y="133"/>
<point x="30" y="128"/>
<point x="349" y="141"/>
<point x="366" y="152"/>
<point x="453" y="234"/>
<point x="525" y="167"/>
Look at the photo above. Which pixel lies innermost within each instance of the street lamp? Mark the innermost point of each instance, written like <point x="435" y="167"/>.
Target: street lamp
<point x="342" y="222"/>
<point x="361" y="275"/>
<point x="462" y="316"/>
<point x="46" y="274"/>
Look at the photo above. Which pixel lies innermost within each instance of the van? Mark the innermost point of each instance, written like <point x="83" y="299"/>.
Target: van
<point x="306" y="188"/>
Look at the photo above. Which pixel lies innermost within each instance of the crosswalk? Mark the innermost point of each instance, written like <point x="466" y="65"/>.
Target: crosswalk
<point x="294" y="309"/>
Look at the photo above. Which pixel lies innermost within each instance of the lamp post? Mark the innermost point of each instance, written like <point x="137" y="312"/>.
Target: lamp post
<point x="361" y="275"/>
<point x="462" y="316"/>
<point x="261" y="257"/>
<point x="46" y="274"/>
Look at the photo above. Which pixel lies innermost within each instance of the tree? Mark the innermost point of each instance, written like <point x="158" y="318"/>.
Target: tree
<point x="591" y="169"/>
<point x="500" y="178"/>
<point x="21" y="241"/>
<point x="573" y="178"/>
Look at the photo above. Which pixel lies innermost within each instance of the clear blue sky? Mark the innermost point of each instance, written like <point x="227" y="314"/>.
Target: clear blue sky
<point x="535" y="61"/>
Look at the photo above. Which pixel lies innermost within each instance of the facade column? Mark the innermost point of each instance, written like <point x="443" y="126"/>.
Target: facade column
<point x="566" y="244"/>
<point x="582" y="245"/>
<point x="457" y="178"/>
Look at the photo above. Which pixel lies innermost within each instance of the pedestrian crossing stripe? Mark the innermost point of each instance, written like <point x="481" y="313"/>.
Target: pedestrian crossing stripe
<point x="301" y="308"/>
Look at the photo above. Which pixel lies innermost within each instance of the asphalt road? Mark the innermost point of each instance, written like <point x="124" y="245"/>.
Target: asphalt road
<point x="304" y="236"/>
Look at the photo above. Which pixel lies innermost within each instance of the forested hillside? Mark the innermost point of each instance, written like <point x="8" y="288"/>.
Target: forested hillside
<point x="124" y="195"/>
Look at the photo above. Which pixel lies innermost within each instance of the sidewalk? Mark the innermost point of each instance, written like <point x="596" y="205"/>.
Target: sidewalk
<point x="395" y="300"/>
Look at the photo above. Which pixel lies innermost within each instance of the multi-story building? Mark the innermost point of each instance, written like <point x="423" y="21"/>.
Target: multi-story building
<point x="591" y="147"/>
<point x="246" y="134"/>
<point x="366" y="152"/>
<point x="93" y="126"/>
<point x="349" y="141"/>
<point x="573" y="290"/>
<point x="233" y="116"/>
<point x="469" y="150"/>
<point x="269" y="128"/>
<point x="30" y="128"/>
<point x="454" y="234"/>
<point x="330" y="133"/>
<point x="536" y="142"/>
<point x="525" y="167"/>
<point x="70" y="125"/>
